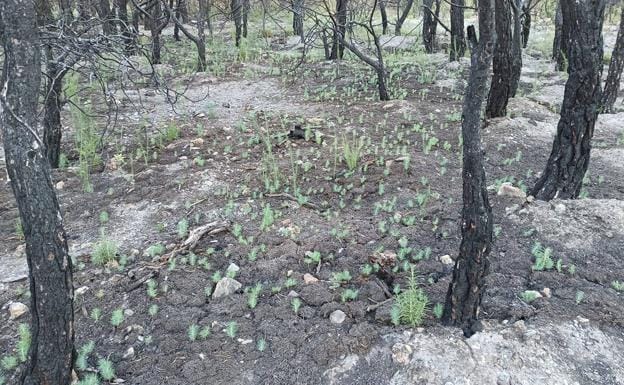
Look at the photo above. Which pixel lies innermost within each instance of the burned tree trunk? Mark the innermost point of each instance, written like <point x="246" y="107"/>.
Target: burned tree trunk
<point x="105" y="14"/>
<point x="297" y="24"/>
<point x="52" y="127"/>
<point x="560" y="54"/>
<point x="569" y="159"/>
<point x="236" y="7"/>
<point x="126" y="30"/>
<point x="526" y="23"/>
<point x="500" y="89"/>
<point x="50" y="356"/>
<point x="384" y="17"/>
<point x="246" y="10"/>
<point x="463" y="299"/>
<point x="458" y="41"/>
<point x="340" y="30"/>
<point x="516" y="47"/>
<point x="403" y="17"/>
<point x="616" y="65"/>
<point x="430" y="24"/>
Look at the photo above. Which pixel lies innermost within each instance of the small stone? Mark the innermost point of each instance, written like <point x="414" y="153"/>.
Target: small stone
<point x="520" y="325"/>
<point x="401" y="353"/>
<point x="60" y="185"/>
<point x="560" y="208"/>
<point x="129" y="354"/>
<point x="244" y="341"/>
<point x="547" y="292"/>
<point x="293" y="294"/>
<point x="582" y="320"/>
<point x="309" y="278"/>
<point x="17" y="309"/>
<point x="225" y="287"/>
<point x="197" y="142"/>
<point x="128" y="312"/>
<point x="530" y="199"/>
<point x="232" y="269"/>
<point x="446" y="260"/>
<point x="503" y="379"/>
<point x="337" y="317"/>
<point x="81" y="290"/>
<point x="170" y="246"/>
<point x="509" y="190"/>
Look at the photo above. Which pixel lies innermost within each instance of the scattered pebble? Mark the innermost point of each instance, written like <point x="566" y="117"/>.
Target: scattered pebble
<point x="309" y="278"/>
<point x="129" y="354"/>
<point x="337" y="317"/>
<point x="401" y="353"/>
<point x="225" y="287"/>
<point x="17" y="309"/>
<point x="509" y="190"/>
<point x="446" y="260"/>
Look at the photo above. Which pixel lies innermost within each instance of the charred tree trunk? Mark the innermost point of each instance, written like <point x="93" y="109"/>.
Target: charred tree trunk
<point x="208" y="16"/>
<point x="500" y="89"/>
<point x="105" y="14"/>
<point x="458" y="41"/>
<point x="569" y="159"/>
<point x="559" y="53"/>
<point x="526" y="23"/>
<point x="616" y="66"/>
<point x="340" y="29"/>
<point x="183" y="10"/>
<point x="156" y="23"/>
<point x="516" y="47"/>
<point x="403" y="17"/>
<point x="384" y="17"/>
<point x="430" y="24"/>
<point x="50" y="356"/>
<point x="200" y="39"/>
<point x="236" y="7"/>
<point x="297" y="24"/>
<point x="52" y="127"/>
<point x="126" y="30"/>
<point x="176" y="28"/>
<point x="463" y="299"/>
<point x="246" y="10"/>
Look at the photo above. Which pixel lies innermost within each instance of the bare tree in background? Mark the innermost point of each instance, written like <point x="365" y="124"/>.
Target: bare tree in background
<point x="402" y="16"/>
<point x="612" y="84"/>
<point x="458" y="40"/>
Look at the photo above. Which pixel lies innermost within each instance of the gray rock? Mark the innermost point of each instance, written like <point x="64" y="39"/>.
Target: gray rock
<point x="337" y="317"/>
<point x="226" y="286"/>
<point x="17" y="309"/>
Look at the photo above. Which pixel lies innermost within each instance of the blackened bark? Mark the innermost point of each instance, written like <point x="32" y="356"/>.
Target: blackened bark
<point x="569" y="159"/>
<point x="126" y="30"/>
<point x="560" y="41"/>
<point x="200" y="39"/>
<point x="183" y="9"/>
<point x="52" y="127"/>
<point x="236" y="7"/>
<point x="516" y="47"/>
<point x="458" y="41"/>
<point x="463" y="299"/>
<point x="297" y="24"/>
<point x="246" y="10"/>
<point x="403" y="17"/>
<point x="156" y="23"/>
<point x="526" y="23"/>
<point x="50" y="356"/>
<point x="340" y="29"/>
<point x="384" y="16"/>
<point x="500" y="89"/>
<point x="616" y="66"/>
<point x="430" y="24"/>
<point x="105" y="14"/>
<point x="176" y="27"/>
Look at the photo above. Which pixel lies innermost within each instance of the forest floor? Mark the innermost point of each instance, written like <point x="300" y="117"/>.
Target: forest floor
<point x="283" y="207"/>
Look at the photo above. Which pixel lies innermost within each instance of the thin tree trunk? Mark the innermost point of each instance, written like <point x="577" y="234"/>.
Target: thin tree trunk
<point x="463" y="299"/>
<point x="52" y="127"/>
<point x="209" y="16"/>
<point x="176" y="28"/>
<point x="105" y="13"/>
<point x="126" y="31"/>
<point x="50" y="355"/>
<point x="298" y="6"/>
<point x="500" y="89"/>
<point x="569" y="159"/>
<point x="458" y="41"/>
<point x="560" y="53"/>
<point x="246" y="10"/>
<point x="526" y="23"/>
<point x="403" y="17"/>
<point x="384" y="16"/>
<point x="430" y="24"/>
<point x="616" y="66"/>
<point x="236" y="7"/>
<point x="340" y="29"/>
<point x="516" y="47"/>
